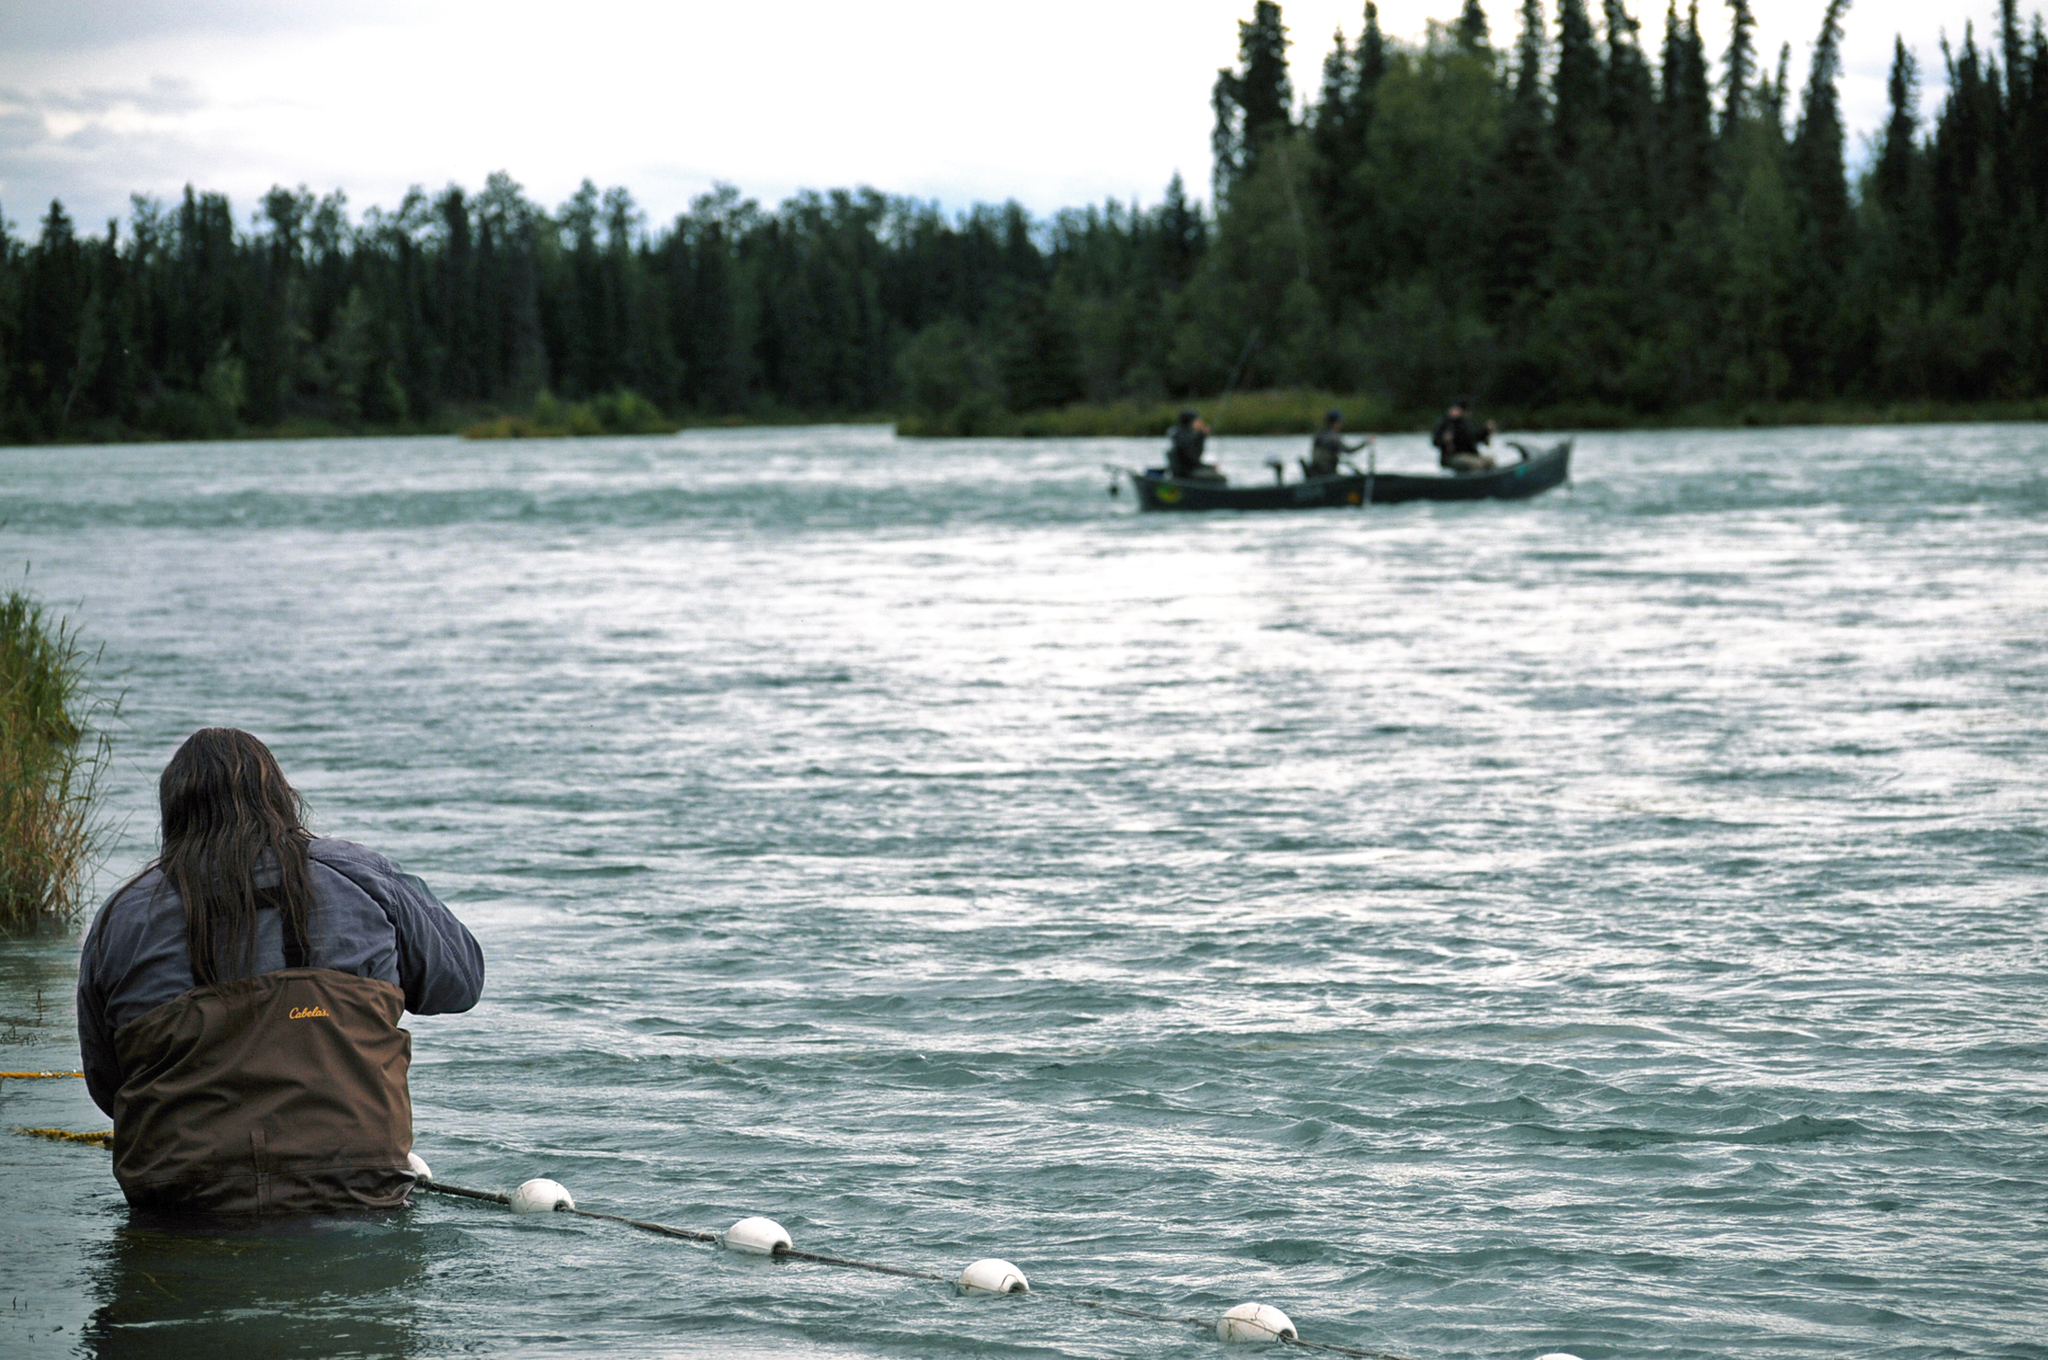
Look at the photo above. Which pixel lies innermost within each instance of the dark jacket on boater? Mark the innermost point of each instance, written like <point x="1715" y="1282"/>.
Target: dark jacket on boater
<point x="1184" y="449"/>
<point x="1454" y="435"/>
<point x="284" y="1090"/>
<point x="1326" y="453"/>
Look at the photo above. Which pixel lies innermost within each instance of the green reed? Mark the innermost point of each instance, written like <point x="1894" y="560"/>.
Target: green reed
<point x="622" y="412"/>
<point x="51" y="762"/>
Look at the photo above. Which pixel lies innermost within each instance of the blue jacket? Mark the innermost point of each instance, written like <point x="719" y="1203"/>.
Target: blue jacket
<point x="368" y="918"/>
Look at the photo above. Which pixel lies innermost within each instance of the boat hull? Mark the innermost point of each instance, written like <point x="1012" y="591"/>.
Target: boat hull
<point x="1517" y="481"/>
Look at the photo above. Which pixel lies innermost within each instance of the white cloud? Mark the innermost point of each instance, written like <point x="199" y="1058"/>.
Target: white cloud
<point x="54" y="28"/>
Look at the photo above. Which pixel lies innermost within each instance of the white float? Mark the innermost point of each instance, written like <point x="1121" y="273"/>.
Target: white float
<point x="757" y="1237"/>
<point x="420" y="1170"/>
<point x="541" y="1197"/>
<point x="992" y="1276"/>
<point x="1256" y="1322"/>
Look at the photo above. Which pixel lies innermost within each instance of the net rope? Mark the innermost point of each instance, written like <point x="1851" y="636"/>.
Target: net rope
<point x="440" y="1187"/>
<point x="876" y="1267"/>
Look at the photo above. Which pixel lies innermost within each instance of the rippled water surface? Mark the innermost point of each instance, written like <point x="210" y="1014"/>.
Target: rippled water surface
<point x="1610" y="923"/>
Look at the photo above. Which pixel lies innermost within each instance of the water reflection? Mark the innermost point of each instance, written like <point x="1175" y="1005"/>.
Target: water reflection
<point x="37" y="974"/>
<point x="308" y="1286"/>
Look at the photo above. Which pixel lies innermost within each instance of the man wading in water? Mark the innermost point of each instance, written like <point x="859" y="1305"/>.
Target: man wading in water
<point x="238" y="1000"/>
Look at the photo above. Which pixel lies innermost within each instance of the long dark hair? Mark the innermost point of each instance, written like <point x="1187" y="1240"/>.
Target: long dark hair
<point x="226" y="805"/>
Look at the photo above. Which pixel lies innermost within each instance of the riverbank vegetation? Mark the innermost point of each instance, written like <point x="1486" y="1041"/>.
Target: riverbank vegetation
<point x="51" y="760"/>
<point x="1561" y="222"/>
<point x="1291" y="411"/>
<point x="622" y="412"/>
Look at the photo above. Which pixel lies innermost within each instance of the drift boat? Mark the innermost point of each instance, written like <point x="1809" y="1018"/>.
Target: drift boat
<point x="1535" y="474"/>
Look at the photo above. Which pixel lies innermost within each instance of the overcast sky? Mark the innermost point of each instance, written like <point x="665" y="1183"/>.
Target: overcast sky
<point x="1057" y="103"/>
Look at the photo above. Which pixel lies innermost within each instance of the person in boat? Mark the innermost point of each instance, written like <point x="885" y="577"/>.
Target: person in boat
<point x="1186" y="438"/>
<point x="238" y="1000"/>
<point x="1328" y="449"/>
<point x="1458" y="438"/>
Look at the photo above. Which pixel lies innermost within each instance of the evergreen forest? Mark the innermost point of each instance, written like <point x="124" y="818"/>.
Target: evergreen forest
<point x="1555" y="220"/>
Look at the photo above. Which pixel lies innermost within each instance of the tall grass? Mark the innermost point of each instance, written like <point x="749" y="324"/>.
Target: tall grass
<point x="50" y="767"/>
<point x="622" y="412"/>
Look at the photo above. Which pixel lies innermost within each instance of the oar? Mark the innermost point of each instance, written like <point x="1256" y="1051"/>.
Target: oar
<point x="1372" y="463"/>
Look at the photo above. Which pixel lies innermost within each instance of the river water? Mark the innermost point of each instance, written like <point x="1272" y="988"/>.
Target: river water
<point x="1609" y="923"/>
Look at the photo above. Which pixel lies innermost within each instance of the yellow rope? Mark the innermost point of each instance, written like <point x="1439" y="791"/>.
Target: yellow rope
<point x="105" y="1140"/>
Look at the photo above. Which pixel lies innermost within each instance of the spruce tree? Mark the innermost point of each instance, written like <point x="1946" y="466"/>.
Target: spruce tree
<point x="1693" y="68"/>
<point x="2015" y="51"/>
<point x="1350" y="208"/>
<point x="1264" y="91"/>
<point x="1630" y="94"/>
<point x="1668" y="78"/>
<point x="1338" y="147"/>
<point x="582" y="315"/>
<point x="1962" y="147"/>
<point x="1815" y="166"/>
<point x="1890" y="269"/>
<point x="455" y="289"/>
<point x="516" y="369"/>
<point x="1255" y="103"/>
<point x="1740" y="63"/>
<point x="52" y="306"/>
<point x="1369" y="68"/>
<point x="1892" y="179"/>
<point x="1580" y="77"/>
<point x="1525" y="172"/>
<point x="2033" y="125"/>
<point x="1182" y="232"/>
<point x="1820" y="197"/>
<point x="2010" y="152"/>
<point x="1772" y="96"/>
<point x="1629" y="171"/>
<point x="275" y="329"/>
<point x="1330" y="120"/>
<point x="203" y="308"/>
<point x="1531" y="45"/>
<point x="1471" y="30"/>
<point x="1687" y="108"/>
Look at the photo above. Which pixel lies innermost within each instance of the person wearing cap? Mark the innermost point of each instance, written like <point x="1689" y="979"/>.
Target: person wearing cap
<point x="1457" y="438"/>
<point x="1328" y="448"/>
<point x="1186" y="438"/>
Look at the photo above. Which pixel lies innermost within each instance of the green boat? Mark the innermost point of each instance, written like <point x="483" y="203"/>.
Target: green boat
<point x="1536" y="473"/>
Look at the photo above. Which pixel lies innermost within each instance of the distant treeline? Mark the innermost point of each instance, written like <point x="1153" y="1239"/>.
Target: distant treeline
<point x="1570" y="222"/>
